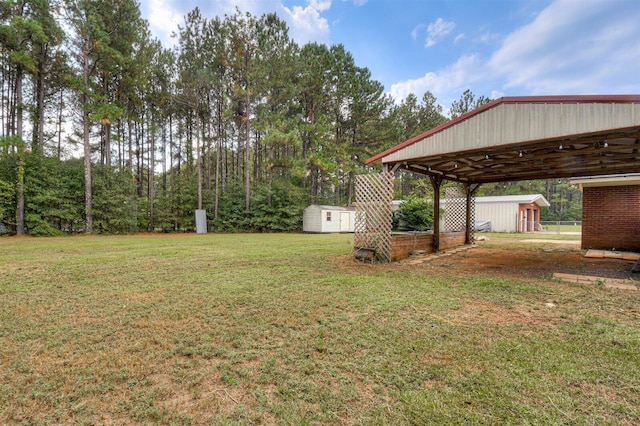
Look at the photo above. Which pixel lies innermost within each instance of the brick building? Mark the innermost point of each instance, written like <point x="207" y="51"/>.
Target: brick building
<point x="610" y="212"/>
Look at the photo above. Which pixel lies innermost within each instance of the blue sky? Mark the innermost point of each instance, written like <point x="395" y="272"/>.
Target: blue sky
<point x="493" y="47"/>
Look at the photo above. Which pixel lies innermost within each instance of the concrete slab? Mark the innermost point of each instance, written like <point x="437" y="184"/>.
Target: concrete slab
<point x="605" y="282"/>
<point x="611" y="254"/>
<point x="595" y="254"/>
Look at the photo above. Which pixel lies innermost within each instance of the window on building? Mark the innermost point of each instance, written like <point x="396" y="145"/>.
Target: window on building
<point x="328" y="216"/>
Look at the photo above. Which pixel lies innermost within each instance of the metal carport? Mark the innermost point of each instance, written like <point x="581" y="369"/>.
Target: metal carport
<point x="525" y="138"/>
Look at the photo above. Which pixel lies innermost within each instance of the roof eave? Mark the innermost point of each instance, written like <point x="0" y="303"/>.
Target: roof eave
<point x="508" y="100"/>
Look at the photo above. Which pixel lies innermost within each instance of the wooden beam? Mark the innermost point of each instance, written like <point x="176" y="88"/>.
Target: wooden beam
<point x="436" y="181"/>
<point x="395" y="167"/>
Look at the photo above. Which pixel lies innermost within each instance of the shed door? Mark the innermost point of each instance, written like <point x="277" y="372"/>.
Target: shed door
<point x="344" y="221"/>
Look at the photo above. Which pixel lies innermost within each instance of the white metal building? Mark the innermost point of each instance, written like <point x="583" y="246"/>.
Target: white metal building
<point x="511" y="213"/>
<point x="319" y="219"/>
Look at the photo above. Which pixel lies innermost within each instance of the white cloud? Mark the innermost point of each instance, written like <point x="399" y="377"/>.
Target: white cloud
<point x="163" y="19"/>
<point x="574" y="47"/>
<point x="455" y="78"/>
<point x="437" y="30"/>
<point x="486" y="38"/>
<point x="320" y="5"/>
<point x="306" y="24"/>
<point x="416" y="30"/>
<point x="459" y="38"/>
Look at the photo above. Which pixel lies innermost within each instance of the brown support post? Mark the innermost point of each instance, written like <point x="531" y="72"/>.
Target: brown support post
<point x="436" y="181"/>
<point x="470" y="190"/>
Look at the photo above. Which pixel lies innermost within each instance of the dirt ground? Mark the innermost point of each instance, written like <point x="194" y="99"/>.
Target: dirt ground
<point x="541" y="260"/>
<point x="512" y="258"/>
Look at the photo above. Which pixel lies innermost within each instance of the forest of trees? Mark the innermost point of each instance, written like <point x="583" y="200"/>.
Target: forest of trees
<point x="105" y="130"/>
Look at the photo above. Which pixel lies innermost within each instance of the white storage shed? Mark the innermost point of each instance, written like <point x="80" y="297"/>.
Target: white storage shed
<point x="511" y="213"/>
<point x="319" y="219"/>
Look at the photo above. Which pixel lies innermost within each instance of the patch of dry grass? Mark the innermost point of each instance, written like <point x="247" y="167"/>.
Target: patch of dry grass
<point x="272" y="329"/>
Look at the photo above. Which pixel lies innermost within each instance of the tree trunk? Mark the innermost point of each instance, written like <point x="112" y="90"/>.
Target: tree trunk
<point x="140" y="156"/>
<point x="38" y="135"/>
<point x="88" y="199"/>
<point x="314" y="184"/>
<point x="107" y="142"/>
<point x="164" y="160"/>
<point x="247" y="157"/>
<point x="130" y="141"/>
<point x="152" y="164"/>
<point x="218" y="164"/>
<point x="106" y="129"/>
<point x="350" y="188"/>
<point x="60" y="117"/>
<point x="20" y="226"/>
<point x="199" y="163"/>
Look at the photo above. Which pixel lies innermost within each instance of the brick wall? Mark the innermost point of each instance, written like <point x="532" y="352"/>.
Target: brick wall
<point x="611" y="218"/>
<point x="403" y="244"/>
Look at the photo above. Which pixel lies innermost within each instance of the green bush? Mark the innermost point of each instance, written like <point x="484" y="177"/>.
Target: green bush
<point x="415" y="214"/>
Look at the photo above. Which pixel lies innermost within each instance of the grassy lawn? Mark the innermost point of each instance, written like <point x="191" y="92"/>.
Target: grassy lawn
<point x="286" y="329"/>
<point x="565" y="227"/>
<point x="529" y="236"/>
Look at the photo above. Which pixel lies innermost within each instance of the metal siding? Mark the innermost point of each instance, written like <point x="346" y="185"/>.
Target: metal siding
<point x="516" y="123"/>
<point x="334" y="224"/>
<point x="553" y="121"/>
<point x="503" y="216"/>
<point x="312" y="219"/>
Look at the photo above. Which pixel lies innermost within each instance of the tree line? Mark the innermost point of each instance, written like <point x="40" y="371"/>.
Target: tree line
<point x="105" y="130"/>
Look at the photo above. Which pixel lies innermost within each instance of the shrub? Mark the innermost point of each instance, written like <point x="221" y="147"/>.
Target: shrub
<point x="415" y="214"/>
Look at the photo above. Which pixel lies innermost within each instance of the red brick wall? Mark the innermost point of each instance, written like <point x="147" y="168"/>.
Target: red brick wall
<point x="611" y="218"/>
<point x="530" y="223"/>
<point x="403" y="244"/>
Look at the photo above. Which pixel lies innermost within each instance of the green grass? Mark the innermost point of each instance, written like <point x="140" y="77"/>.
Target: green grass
<point x="564" y="227"/>
<point x="529" y="236"/>
<point x="287" y="329"/>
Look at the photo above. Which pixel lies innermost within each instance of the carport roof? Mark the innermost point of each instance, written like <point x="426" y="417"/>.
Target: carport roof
<point x="532" y="137"/>
<point x="539" y="199"/>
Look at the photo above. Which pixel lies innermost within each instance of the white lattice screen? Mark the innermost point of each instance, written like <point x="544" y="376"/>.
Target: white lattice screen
<point x="455" y="210"/>
<point x="374" y="194"/>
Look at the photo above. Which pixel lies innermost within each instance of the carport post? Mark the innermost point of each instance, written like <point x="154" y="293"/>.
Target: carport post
<point x="470" y="190"/>
<point x="436" y="180"/>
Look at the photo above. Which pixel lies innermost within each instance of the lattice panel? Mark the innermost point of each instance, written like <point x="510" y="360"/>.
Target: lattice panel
<point x="374" y="194"/>
<point x="455" y="209"/>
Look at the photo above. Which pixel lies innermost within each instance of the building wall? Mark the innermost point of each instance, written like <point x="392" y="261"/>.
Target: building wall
<point x="503" y="216"/>
<point x="332" y="225"/>
<point x="312" y="219"/>
<point x="611" y="218"/>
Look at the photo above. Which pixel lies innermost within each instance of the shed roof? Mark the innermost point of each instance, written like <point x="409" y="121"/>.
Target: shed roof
<point x="539" y="199"/>
<point x="532" y="137"/>
<point x="336" y="208"/>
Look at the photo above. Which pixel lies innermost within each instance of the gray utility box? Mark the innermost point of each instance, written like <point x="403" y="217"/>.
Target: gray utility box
<point x="201" y="221"/>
